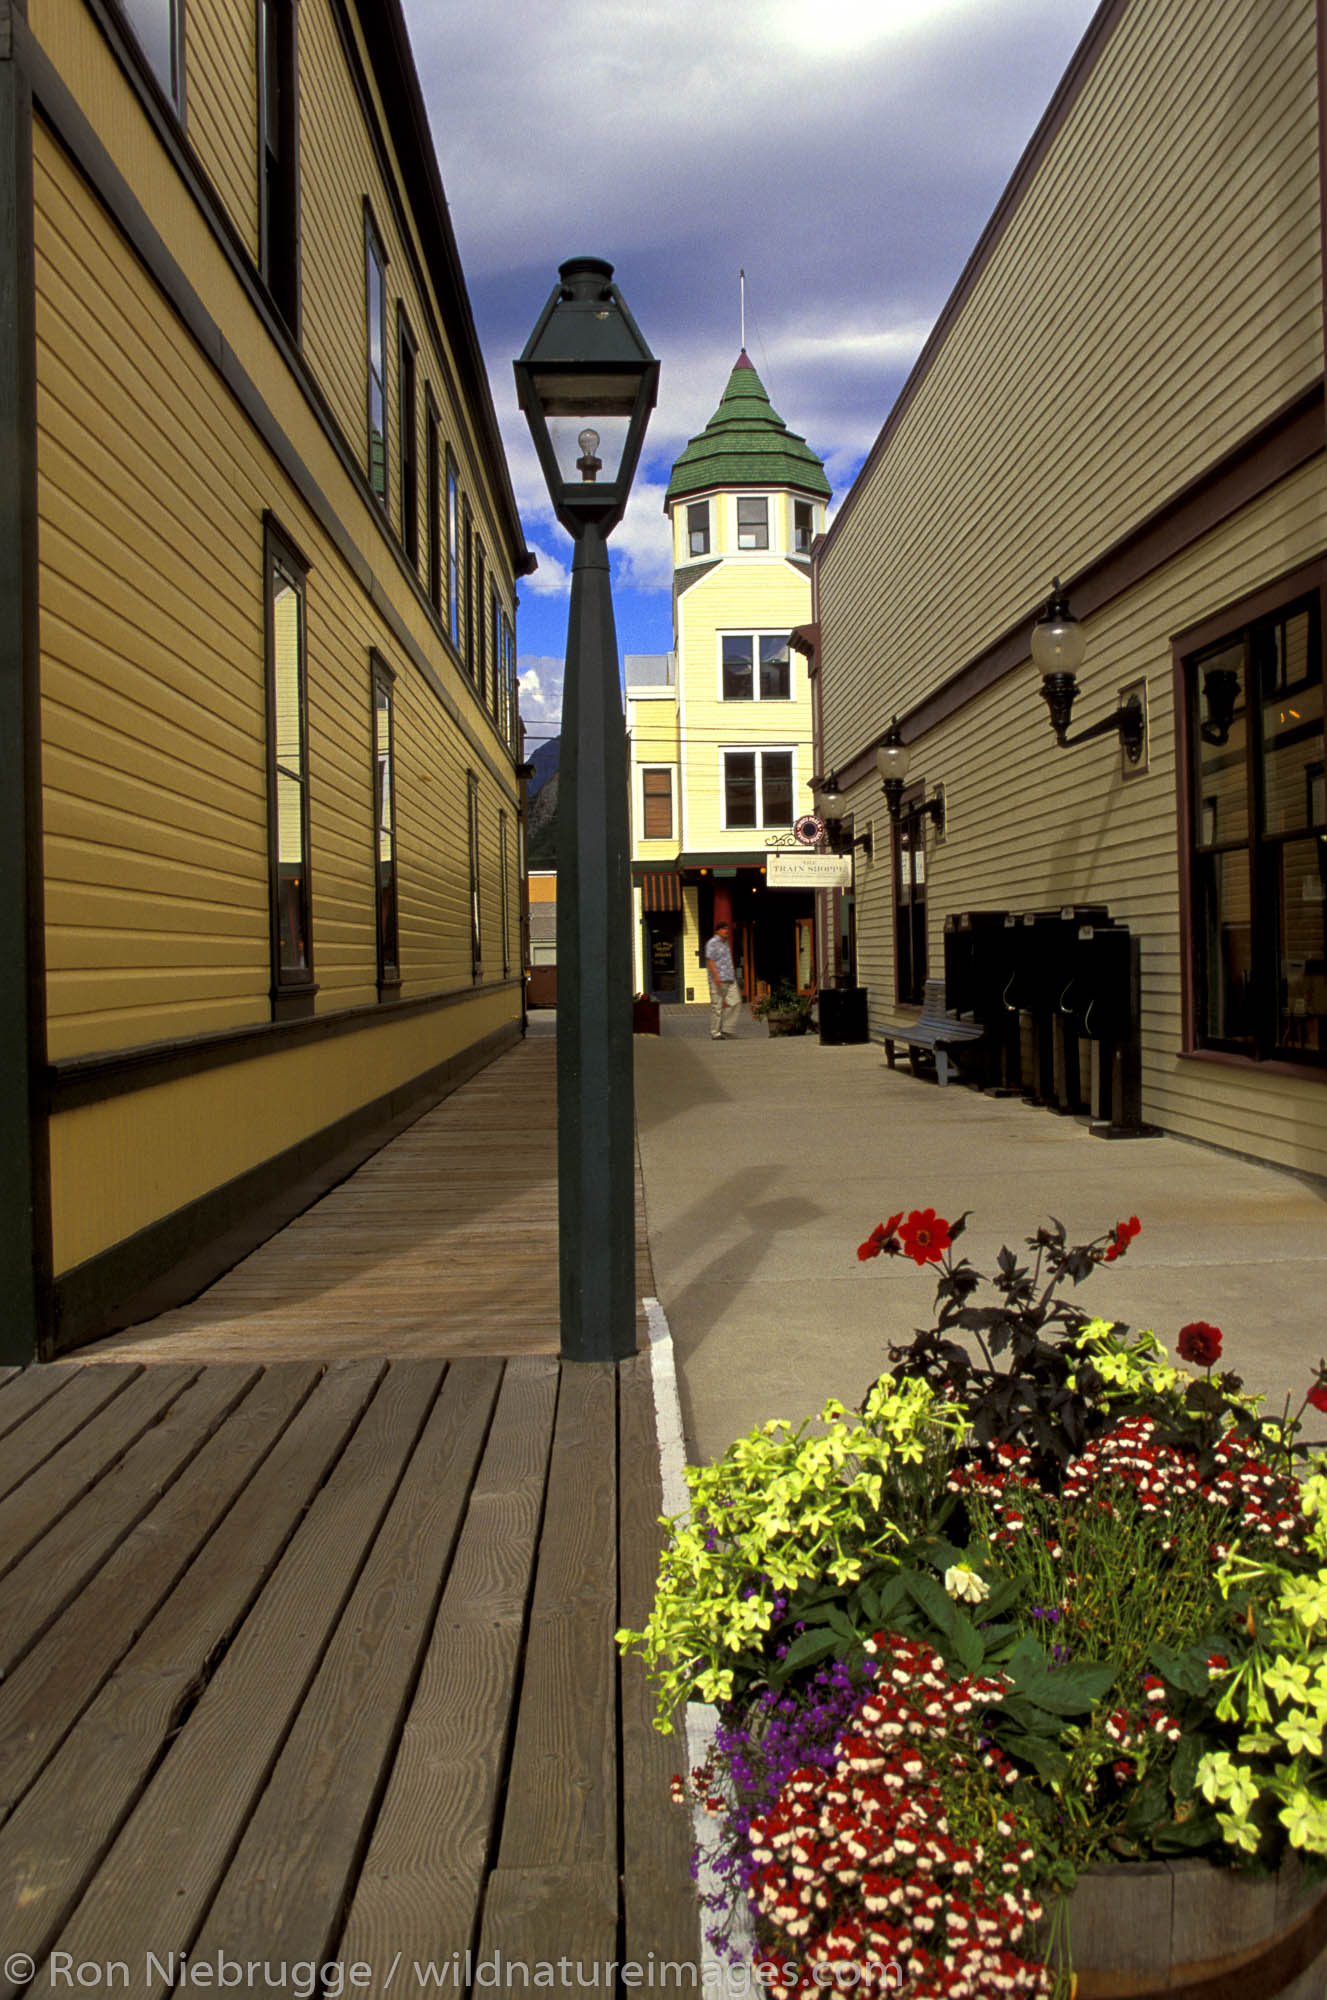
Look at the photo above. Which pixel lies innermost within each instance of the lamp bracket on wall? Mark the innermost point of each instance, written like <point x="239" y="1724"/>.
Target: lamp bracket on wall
<point x="1127" y="721"/>
<point x="1057" y="647"/>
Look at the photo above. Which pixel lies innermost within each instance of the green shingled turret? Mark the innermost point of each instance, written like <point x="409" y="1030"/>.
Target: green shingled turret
<point x="746" y="443"/>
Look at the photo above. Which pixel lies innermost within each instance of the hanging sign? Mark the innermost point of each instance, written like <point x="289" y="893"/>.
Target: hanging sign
<point x="808" y="871"/>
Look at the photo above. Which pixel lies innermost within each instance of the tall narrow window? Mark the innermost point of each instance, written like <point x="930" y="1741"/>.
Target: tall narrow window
<point x="433" y="500"/>
<point x="657" y="804"/>
<point x="804" y="527"/>
<point x="288" y="777"/>
<point x="910" y="954"/>
<point x="753" y="523"/>
<point x="509" y="679"/>
<point x="472" y="808"/>
<point x="1258" y="821"/>
<point x="278" y="176"/>
<point x="496" y="694"/>
<point x="384" y="830"/>
<point x="698" y="528"/>
<point x="375" y="306"/>
<point x="407" y="439"/>
<point x="506" y="893"/>
<point x="468" y="591"/>
<point x="453" y="555"/>
<point x="478" y="611"/>
<point x="158" y="27"/>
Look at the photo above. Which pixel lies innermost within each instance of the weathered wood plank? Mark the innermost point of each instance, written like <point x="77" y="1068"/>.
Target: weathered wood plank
<point x="26" y="1389"/>
<point x="659" y="1897"/>
<point x="52" y="1488"/>
<point x="285" y="1890"/>
<point x="560" y="1917"/>
<point x="39" y="1587"/>
<point x="42" y="1700"/>
<point x="300" y="1529"/>
<point x="83" y="1392"/>
<point x="421" y="1884"/>
<point x="155" y="1885"/>
<point x="561" y="1805"/>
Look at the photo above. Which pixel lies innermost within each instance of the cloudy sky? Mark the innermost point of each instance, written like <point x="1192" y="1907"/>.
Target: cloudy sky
<point x="845" y="153"/>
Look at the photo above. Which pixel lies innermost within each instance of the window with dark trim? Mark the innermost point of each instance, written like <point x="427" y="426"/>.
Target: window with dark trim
<point x="384" y="825"/>
<point x="909" y="894"/>
<point x="407" y="437"/>
<point x="509" y="680"/>
<point x="753" y="523"/>
<point x="478" y="611"/>
<point x="285" y="579"/>
<point x="757" y="788"/>
<point x="656" y="804"/>
<point x="698" y="528"/>
<point x="472" y="830"/>
<point x="1258" y="838"/>
<point x="433" y="499"/>
<point x="742" y="652"/>
<point x="468" y="590"/>
<point x="497" y="696"/>
<point x="158" y="27"/>
<point x="505" y="869"/>
<point x="375" y="307"/>
<point x="278" y="155"/>
<point x="453" y="555"/>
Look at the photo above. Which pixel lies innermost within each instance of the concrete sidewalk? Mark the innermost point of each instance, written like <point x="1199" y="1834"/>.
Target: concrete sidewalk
<point x="766" y="1162"/>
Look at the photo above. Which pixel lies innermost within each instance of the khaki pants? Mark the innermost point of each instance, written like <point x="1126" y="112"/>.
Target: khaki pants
<point x="725" y="1006"/>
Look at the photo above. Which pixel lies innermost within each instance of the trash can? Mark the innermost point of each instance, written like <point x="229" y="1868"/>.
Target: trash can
<point x="843" y="1015"/>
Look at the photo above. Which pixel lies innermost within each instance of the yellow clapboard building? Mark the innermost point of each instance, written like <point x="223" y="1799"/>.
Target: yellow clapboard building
<point x="720" y="728"/>
<point x="258" y="601"/>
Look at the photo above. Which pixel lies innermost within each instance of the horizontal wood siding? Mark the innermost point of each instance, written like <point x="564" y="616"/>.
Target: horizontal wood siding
<point x="1154" y="297"/>
<point x="1032" y="827"/>
<point x="221" y="99"/>
<point x="153" y="686"/>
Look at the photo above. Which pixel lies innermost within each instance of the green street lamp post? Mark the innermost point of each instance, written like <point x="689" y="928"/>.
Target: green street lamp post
<point x="587" y="383"/>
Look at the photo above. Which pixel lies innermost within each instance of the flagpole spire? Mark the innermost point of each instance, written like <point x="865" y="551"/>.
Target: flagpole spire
<point x="741" y="278"/>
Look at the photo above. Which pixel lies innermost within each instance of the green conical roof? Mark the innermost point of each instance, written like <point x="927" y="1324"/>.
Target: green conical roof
<point x="746" y="443"/>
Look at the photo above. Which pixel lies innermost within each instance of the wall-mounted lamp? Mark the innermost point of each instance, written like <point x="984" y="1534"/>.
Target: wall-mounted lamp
<point x="891" y="761"/>
<point x="831" y="806"/>
<point x="1058" y="646"/>
<point x="1221" y="694"/>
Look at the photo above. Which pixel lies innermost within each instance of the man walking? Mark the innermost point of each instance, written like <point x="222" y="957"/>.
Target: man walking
<point x="725" y="999"/>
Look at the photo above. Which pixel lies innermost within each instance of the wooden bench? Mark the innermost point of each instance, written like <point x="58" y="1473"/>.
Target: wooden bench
<point x="936" y="1031"/>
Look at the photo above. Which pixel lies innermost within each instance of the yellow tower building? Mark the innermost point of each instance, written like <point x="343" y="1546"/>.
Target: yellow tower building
<point x="721" y="726"/>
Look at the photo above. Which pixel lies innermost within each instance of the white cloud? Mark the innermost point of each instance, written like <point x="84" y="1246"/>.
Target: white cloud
<point x="552" y="578"/>
<point x="540" y="682"/>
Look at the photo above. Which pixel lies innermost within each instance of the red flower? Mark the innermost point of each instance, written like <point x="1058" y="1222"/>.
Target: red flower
<point x="881" y="1238"/>
<point x="1121" y="1236"/>
<point x="925" y="1236"/>
<point x="1318" y="1396"/>
<point x="1199" y="1343"/>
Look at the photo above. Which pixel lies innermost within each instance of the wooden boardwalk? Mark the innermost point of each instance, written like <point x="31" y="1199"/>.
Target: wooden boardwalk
<point x="310" y="1665"/>
<point x="444" y="1243"/>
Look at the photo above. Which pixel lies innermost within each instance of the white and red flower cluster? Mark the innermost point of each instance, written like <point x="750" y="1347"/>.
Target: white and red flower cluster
<point x="857" y="1867"/>
<point x="1158" y="1474"/>
<point x="1161" y="1474"/>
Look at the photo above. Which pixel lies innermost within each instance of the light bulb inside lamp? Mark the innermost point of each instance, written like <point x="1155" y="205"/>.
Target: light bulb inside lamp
<point x="589" y="443"/>
<point x="1058" y="643"/>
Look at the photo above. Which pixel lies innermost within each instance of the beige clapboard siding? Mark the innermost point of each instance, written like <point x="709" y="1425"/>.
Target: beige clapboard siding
<point x="1223" y="252"/>
<point x="1062" y="827"/>
<point x="221" y="105"/>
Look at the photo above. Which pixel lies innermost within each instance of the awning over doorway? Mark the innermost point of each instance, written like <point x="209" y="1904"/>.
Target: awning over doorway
<point x="660" y="892"/>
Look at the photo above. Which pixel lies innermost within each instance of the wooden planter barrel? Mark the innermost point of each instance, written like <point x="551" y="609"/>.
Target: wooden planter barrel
<point x="1184" y="1930"/>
